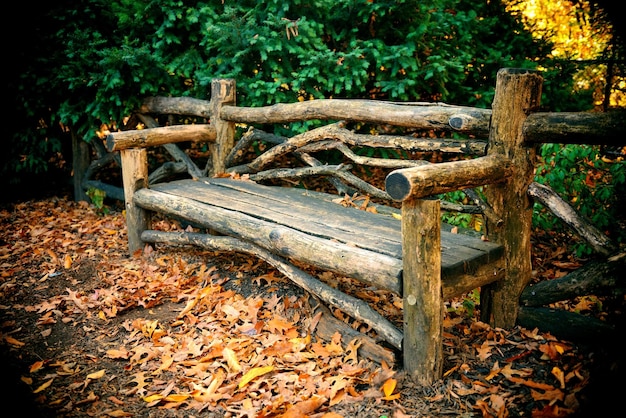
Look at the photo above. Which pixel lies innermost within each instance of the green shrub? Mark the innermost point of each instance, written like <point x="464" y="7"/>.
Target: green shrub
<point x="593" y="185"/>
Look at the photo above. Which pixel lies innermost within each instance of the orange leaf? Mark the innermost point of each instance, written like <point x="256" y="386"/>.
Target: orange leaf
<point x="13" y="341"/>
<point x="67" y="261"/>
<point x="152" y="398"/>
<point x="484" y="351"/>
<point x="558" y="373"/>
<point x="114" y="353"/>
<point x="36" y="366"/>
<point x="530" y="383"/>
<point x="254" y="373"/>
<point x="548" y="395"/>
<point x="119" y="413"/>
<point x="304" y="408"/>
<point x="388" y="387"/>
<point x="176" y="397"/>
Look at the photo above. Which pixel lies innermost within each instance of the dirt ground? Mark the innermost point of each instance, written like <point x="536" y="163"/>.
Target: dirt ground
<point x="88" y="331"/>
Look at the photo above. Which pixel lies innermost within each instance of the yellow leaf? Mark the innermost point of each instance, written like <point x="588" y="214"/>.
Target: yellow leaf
<point x="67" y="261"/>
<point x="102" y="316"/>
<point x="13" y="341"/>
<point x="558" y="373"/>
<point x="254" y="373"/>
<point x="396" y="215"/>
<point x="44" y="386"/>
<point x="231" y="359"/>
<point x="152" y="398"/>
<point x="176" y="397"/>
<point x="96" y="375"/>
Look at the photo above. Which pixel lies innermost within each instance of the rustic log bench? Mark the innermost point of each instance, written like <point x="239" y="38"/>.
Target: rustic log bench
<point x="405" y="252"/>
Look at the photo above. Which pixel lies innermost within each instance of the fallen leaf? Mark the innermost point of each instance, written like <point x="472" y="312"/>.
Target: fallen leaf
<point x="96" y="375"/>
<point x="176" y="397"/>
<point x="44" y="386"/>
<point x="117" y="353"/>
<point x="560" y="376"/>
<point x="36" y="366"/>
<point x="231" y="359"/>
<point x="254" y="373"/>
<point x="304" y="408"/>
<point x="388" y="387"/>
<point x="67" y="261"/>
<point x="13" y="341"/>
<point x="119" y="413"/>
<point x="152" y="398"/>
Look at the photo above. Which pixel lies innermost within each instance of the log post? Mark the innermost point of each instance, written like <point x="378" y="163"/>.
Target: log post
<point x="422" y="344"/>
<point x="135" y="177"/>
<point x="222" y="93"/>
<point x="518" y="93"/>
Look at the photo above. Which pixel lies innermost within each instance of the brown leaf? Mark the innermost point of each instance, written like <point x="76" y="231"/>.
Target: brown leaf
<point x="119" y="413"/>
<point x="304" y="408"/>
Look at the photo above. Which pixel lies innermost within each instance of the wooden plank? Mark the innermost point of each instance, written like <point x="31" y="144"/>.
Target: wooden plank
<point x="325" y="219"/>
<point x="294" y="209"/>
<point x="367" y="266"/>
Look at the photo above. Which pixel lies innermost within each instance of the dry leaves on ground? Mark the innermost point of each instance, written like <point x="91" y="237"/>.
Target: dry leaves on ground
<point x="181" y="332"/>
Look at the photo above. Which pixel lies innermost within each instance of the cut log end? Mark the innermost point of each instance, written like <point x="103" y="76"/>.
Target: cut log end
<point x="397" y="186"/>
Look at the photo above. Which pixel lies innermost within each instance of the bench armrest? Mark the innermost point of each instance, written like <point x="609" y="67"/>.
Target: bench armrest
<point x="143" y="138"/>
<point x="427" y="180"/>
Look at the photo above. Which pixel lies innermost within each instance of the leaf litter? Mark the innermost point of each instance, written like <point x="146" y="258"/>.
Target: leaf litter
<point x="88" y="331"/>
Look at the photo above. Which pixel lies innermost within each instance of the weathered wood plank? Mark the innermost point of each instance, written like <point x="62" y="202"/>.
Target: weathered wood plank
<point x="247" y="210"/>
<point x="295" y="209"/>
<point x="367" y="266"/>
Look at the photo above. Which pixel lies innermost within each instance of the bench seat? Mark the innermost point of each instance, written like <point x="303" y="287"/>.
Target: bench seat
<point x="309" y="227"/>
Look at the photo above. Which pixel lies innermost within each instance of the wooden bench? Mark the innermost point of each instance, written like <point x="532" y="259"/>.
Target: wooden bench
<point x="405" y="252"/>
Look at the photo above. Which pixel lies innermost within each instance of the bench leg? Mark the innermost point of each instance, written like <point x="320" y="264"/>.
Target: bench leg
<point x="135" y="177"/>
<point x="422" y="293"/>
